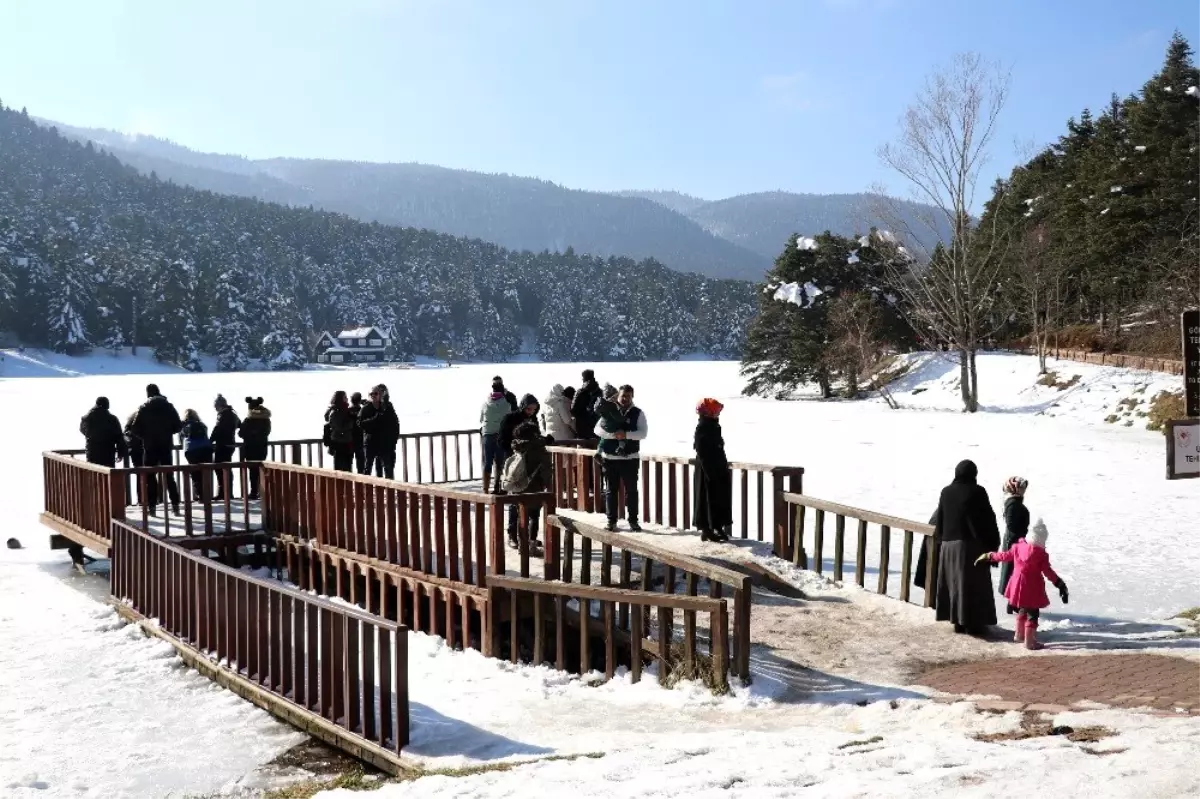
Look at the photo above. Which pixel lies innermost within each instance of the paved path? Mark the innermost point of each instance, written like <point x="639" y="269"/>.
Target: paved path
<point x="1056" y="682"/>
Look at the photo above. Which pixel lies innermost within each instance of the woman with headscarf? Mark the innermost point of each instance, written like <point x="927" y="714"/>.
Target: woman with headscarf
<point x="713" y="510"/>
<point x="965" y="528"/>
<point x="1016" y="526"/>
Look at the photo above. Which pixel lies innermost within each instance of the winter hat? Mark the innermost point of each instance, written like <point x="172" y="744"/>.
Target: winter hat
<point x="152" y="390"/>
<point x="1038" y="534"/>
<point x="220" y="402"/>
<point x="1016" y="486"/>
<point x="709" y="407"/>
<point x="588" y="375"/>
<point x="966" y="472"/>
<point x="569" y="392"/>
<point x="102" y="402"/>
<point x="254" y="402"/>
<point x="497" y="384"/>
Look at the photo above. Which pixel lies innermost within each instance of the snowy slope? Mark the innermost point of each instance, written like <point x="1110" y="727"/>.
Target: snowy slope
<point x="1121" y="535"/>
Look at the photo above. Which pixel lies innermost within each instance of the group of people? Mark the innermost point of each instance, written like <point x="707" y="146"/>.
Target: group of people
<point x="362" y="436"/>
<point x="149" y="435"/>
<point x="516" y="433"/>
<point x="967" y="539"/>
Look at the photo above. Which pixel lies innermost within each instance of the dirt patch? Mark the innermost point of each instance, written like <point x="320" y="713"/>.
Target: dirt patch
<point x="1051" y="380"/>
<point x="1165" y="406"/>
<point x="1035" y="725"/>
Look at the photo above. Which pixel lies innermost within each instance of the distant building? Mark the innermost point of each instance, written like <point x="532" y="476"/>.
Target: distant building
<point x="357" y="345"/>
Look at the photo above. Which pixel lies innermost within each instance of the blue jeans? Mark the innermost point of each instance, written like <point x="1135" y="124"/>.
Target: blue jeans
<point x="491" y="451"/>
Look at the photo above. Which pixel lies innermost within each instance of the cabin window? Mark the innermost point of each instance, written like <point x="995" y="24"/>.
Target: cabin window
<point x="376" y="342"/>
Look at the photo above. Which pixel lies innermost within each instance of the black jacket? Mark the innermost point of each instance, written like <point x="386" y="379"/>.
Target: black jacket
<point x="514" y="420"/>
<point x="156" y="423"/>
<point x="512" y="399"/>
<point x="255" y="431"/>
<point x="224" y="432"/>
<point x="583" y="409"/>
<point x="355" y="412"/>
<point x="1016" y="520"/>
<point x="105" y="438"/>
<point x="964" y="511"/>
<point x="714" y="484"/>
<point x="339" y="426"/>
<point x="380" y="426"/>
<point x="133" y="444"/>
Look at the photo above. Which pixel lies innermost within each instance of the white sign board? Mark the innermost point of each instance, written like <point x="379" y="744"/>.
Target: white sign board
<point x="1183" y="448"/>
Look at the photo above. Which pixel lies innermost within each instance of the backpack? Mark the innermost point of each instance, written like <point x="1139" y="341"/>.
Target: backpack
<point x="516" y="476"/>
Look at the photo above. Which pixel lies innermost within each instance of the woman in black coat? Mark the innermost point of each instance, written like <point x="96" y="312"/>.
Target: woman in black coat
<point x="255" y="431"/>
<point x="713" y="511"/>
<point x="965" y="528"/>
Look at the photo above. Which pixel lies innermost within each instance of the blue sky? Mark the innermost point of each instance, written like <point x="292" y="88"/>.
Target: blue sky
<point x="711" y="98"/>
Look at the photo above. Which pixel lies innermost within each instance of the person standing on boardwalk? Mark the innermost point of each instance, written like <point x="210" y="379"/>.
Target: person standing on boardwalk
<point x="360" y="455"/>
<point x="527" y="471"/>
<point x="137" y="453"/>
<point x="224" y="442"/>
<point x="157" y="423"/>
<point x="583" y="405"/>
<point x="381" y="433"/>
<point x="197" y="448"/>
<point x="255" y="431"/>
<point x="491" y="418"/>
<point x="965" y="528"/>
<point x="555" y="415"/>
<point x="713" y="511"/>
<point x="527" y="411"/>
<point x="104" y="439"/>
<point x="104" y="446"/>
<point x="620" y="458"/>
<point x="1016" y="526"/>
<point x="338" y="434"/>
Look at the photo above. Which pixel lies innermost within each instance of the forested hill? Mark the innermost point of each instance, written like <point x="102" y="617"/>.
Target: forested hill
<point x="92" y="253"/>
<point x="764" y="222"/>
<point x="517" y="212"/>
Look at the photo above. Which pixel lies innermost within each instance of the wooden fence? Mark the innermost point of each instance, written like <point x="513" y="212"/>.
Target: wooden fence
<point x="667" y="486"/>
<point x="1122" y="360"/>
<point x="342" y="670"/>
<point x="616" y="560"/>
<point x="553" y="621"/>
<point x="791" y="546"/>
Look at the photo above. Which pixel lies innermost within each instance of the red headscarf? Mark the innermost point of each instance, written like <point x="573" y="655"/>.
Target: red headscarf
<point x="709" y="407"/>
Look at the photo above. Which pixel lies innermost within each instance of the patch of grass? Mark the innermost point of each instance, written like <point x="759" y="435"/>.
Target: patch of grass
<point x="701" y="670"/>
<point x="1191" y="613"/>
<point x="874" y="739"/>
<point x="1112" y="418"/>
<point x="1165" y="406"/>
<point x="1050" y="380"/>
<point x="1034" y="726"/>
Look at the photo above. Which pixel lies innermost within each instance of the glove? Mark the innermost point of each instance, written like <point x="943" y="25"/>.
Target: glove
<point x="985" y="556"/>
<point x="1062" y="590"/>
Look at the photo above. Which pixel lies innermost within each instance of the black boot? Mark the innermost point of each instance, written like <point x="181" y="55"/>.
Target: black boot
<point x="634" y="527"/>
<point x="611" y="527"/>
<point x="708" y="535"/>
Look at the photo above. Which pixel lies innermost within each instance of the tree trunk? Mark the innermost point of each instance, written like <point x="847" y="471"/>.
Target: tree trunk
<point x="964" y="379"/>
<point x="973" y="405"/>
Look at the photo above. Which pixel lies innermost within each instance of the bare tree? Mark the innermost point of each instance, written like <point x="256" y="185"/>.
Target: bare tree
<point x="941" y="151"/>
<point x="1040" y="283"/>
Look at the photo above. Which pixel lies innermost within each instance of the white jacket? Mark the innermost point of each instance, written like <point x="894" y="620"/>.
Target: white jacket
<point x="555" y="415"/>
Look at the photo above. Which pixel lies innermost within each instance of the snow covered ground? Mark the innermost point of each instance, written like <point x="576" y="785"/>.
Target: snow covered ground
<point x="77" y="691"/>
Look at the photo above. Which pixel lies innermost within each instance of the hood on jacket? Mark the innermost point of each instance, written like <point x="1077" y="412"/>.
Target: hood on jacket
<point x="966" y="472"/>
<point x="528" y="400"/>
<point x="258" y="412"/>
<point x="556" y="394"/>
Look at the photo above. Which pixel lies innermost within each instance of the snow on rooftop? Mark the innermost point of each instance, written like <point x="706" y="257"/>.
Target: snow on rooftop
<point x="806" y="243"/>
<point x="358" y="332"/>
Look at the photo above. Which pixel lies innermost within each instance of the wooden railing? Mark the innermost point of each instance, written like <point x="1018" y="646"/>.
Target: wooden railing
<point x="555" y="623"/>
<point x="431" y="530"/>
<point x="667" y="486"/>
<point x="345" y="669"/>
<point x="80" y="498"/>
<point x="791" y="547"/>
<point x="578" y="553"/>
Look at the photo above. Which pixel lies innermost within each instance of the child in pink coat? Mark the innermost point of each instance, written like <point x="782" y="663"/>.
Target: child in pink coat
<point x="1026" y="589"/>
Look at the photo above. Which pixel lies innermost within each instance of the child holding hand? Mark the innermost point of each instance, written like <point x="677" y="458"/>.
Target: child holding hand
<point x="1026" y="590"/>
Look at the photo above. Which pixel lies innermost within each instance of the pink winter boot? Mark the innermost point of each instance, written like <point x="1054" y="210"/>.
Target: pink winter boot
<point x="1019" y="636"/>
<point x="1031" y="641"/>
